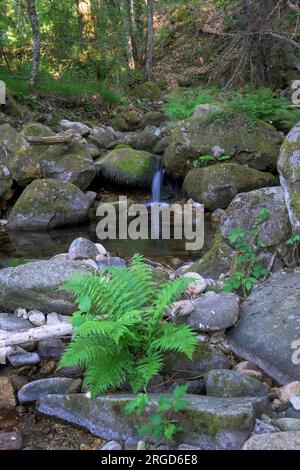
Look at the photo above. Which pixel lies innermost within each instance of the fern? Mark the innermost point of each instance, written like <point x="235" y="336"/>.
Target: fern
<point x="120" y="334"/>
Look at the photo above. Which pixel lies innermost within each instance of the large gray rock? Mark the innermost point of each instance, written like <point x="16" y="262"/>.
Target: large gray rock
<point x="208" y="422"/>
<point x="48" y="204"/>
<point x="244" y="210"/>
<point x="9" y="322"/>
<point x="33" y="391"/>
<point x="274" y="441"/>
<point x="204" y="360"/>
<point x="214" y="311"/>
<point x="36" y="285"/>
<point x="216" y="185"/>
<point x="230" y="383"/>
<point x="72" y="164"/>
<point x="196" y="137"/>
<point x="269" y="325"/>
<point x="289" y="169"/>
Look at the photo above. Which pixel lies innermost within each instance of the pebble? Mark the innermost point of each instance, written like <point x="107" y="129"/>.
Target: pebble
<point x="19" y="357"/>
<point x="10" y="441"/>
<point x="182" y="308"/>
<point x="37" y="318"/>
<point x="112" y="445"/>
<point x="197" y="287"/>
<point x="101" y="250"/>
<point x="21" y="313"/>
<point x="287" y="391"/>
<point x="52" y="318"/>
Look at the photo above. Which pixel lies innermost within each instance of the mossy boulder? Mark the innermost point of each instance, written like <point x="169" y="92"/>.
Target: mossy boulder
<point x="215" y="186"/>
<point x="244" y="212"/>
<point x="126" y="121"/>
<point x="148" y="90"/>
<point x="289" y="169"/>
<point x="48" y="204"/>
<point x="230" y="383"/>
<point x="21" y="159"/>
<point x="216" y="261"/>
<point x="128" y="167"/>
<point x="5" y="179"/>
<point x="207" y="422"/>
<point x="154" y="118"/>
<point x="70" y="163"/>
<point x="36" y="129"/>
<point x="147" y="139"/>
<point x="195" y="137"/>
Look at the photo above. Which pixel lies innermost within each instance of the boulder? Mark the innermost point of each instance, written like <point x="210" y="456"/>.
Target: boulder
<point x="214" y="312"/>
<point x="269" y="327"/>
<point x="216" y="261"/>
<point x="48" y="204"/>
<point x="82" y="129"/>
<point x="126" y="121"/>
<point x="274" y="441"/>
<point x="216" y="185"/>
<point x="21" y="159"/>
<point x="196" y="137"/>
<point x="51" y="348"/>
<point x="36" y="286"/>
<point x="82" y="248"/>
<point x="207" y="422"/>
<point x="33" y="391"/>
<point x="289" y="170"/>
<point x="36" y="129"/>
<point x="204" y="359"/>
<point x="148" y="90"/>
<point x="154" y="118"/>
<point x="70" y="163"/>
<point x="205" y="110"/>
<point x="147" y="139"/>
<point x="244" y="210"/>
<point x="128" y="167"/>
<point x="229" y="383"/>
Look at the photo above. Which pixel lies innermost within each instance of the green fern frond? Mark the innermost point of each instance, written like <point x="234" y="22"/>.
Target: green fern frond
<point x="174" y="337"/>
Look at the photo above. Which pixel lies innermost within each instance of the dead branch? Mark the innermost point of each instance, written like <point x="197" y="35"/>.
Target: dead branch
<point x="14" y="338"/>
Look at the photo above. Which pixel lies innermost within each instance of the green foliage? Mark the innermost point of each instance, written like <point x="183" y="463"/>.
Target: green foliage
<point x="294" y="242"/>
<point x="207" y="159"/>
<point x="14" y="262"/>
<point x="247" y="269"/>
<point x="162" y="424"/>
<point x="181" y="105"/>
<point x="120" y="332"/>
<point x="263" y="104"/>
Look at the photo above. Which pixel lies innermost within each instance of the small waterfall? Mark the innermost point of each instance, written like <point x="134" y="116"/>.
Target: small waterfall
<point x="157" y="184"/>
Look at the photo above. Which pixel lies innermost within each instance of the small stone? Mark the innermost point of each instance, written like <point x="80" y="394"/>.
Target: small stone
<point x="253" y="373"/>
<point x="141" y="445"/>
<point x="21" y="313"/>
<point x="295" y="401"/>
<point x="131" y="444"/>
<point x="33" y="391"/>
<point x="101" y="250"/>
<point x="112" y="445"/>
<point x="7" y="394"/>
<point x="288" y="424"/>
<point x="263" y="427"/>
<point x="52" y="318"/>
<point x="19" y="357"/>
<point x="82" y="248"/>
<point x="51" y="348"/>
<point x="287" y="391"/>
<point x="37" y="318"/>
<point x="245" y="365"/>
<point x="181" y="308"/>
<point x="47" y="368"/>
<point x="197" y="287"/>
<point x="10" y="441"/>
<point x="274" y="441"/>
<point x="9" y="322"/>
<point x="91" y="263"/>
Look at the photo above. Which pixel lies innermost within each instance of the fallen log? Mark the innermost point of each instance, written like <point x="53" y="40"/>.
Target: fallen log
<point x="15" y="338"/>
<point x="53" y="140"/>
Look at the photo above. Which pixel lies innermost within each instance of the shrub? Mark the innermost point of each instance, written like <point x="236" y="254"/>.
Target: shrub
<point x="120" y="331"/>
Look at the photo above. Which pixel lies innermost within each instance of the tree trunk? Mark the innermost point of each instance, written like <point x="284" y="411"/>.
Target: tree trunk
<point x="128" y="32"/>
<point x="138" y="43"/>
<point x="150" y="38"/>
<point x="86" y="21"/>
<point x="36" y="41"/>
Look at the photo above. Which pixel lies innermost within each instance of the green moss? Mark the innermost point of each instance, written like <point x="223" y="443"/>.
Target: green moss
<point x="148" y="90"/>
